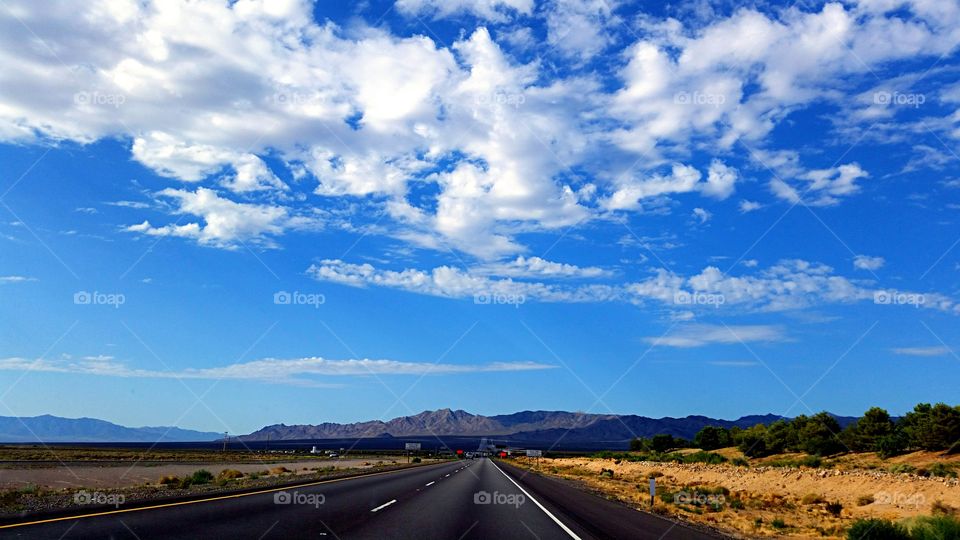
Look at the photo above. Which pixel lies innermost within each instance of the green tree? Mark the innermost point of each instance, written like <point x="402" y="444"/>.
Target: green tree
<point x="711" y="438"/>
<point x="819" y="435"/>
<point x="752" y="441"/>
<point x="662" y="443"/>
<point x="865" y="434"/>
<point x="934" y="427"/>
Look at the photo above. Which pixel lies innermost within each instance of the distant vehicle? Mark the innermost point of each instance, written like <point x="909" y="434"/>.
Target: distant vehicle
<point x="334" y="455"/>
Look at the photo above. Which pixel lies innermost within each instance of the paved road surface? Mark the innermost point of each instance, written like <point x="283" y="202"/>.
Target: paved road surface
<point x="479" y="499"/>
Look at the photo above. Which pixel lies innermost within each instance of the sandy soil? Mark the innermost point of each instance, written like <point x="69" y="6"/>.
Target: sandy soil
<point x="92" y="476"/>
<point x="797" y="496"/>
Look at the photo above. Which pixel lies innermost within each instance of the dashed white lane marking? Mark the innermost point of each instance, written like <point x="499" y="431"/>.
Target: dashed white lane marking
<point x="430" y="484"/>
<point x="446" y="475"/>
<point x="545" y="511"/>
<point x="384" y="505"/>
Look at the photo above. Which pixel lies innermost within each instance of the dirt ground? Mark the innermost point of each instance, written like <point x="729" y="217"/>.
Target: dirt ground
<point x="116" y="475"/>
<point x="789" y="502"/>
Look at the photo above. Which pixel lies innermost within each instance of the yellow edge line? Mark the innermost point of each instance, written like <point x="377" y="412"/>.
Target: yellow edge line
<point x="197" y="501"/>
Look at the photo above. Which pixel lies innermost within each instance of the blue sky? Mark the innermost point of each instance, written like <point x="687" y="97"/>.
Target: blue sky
<point x="226" y="215"/>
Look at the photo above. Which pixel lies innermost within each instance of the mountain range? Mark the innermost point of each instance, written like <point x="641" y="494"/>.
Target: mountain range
<point x="51" y="429"/>
<point x="519" y="427"/>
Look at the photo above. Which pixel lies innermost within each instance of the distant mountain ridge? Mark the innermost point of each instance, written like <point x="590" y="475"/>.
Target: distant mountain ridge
<point x="520" y="426"/>
<point x="51" y="429"/>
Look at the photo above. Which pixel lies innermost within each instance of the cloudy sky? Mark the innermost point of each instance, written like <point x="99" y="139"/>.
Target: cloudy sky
<point x="227" y="214"/>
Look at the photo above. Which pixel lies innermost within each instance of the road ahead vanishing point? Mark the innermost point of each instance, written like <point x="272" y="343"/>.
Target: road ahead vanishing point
<point x="479" y="499"/>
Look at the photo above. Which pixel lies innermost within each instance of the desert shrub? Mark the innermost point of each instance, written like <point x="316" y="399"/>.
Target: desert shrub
<point x="740" y="462"/>
<point x="704" y="457"/>
<point x="416" y="460"/>
<point x="835" y="508"/>
<point x="229" y="474"/>
<point x="812" y="498"/>
<point x="902" y="468"/>
<point x="253" y="475"/>
<point x="608" y="473"/>
<point x="864" y="500"/>
<point x="201" y="477"/>
<point x="935" y="528"/>
<point x="279" y="470"/>
<point x="876" y="529"/>
<point x="655" y="474"/>
<point x="168" y="480"/>
<point x="940" y="508"/>
<point x="185" y="483"/>
<point x="942" y="470"/>
<point x="778" y="524"/>
<point x="737" y="504"/>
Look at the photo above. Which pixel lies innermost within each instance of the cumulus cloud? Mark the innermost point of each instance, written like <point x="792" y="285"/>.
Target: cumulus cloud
<point x="787" y="285"/>
<point x="301" y="371"/>
<point x="866" y="262"/>
<point x="226" y="94"/>
<point x="224" y="223"/>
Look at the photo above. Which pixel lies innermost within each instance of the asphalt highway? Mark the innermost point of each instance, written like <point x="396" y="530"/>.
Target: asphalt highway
<point x="472" y="499"/>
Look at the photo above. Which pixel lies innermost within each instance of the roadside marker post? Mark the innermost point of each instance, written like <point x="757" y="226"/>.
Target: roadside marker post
<point x="653" y="490"/>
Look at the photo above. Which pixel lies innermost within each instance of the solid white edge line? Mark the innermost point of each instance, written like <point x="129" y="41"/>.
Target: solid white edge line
<point x="545" y="511"/>
<point x="384" y="505"/>
<point x="430" y="484"/>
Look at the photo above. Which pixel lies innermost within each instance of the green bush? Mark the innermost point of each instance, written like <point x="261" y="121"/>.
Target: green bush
<point x="935" y="528"/>
<point x="835" y="508"/>
<point x="876" y="529"/>
<point x="778" y="524"/>
<point x="416" y="460"/>
<point x="903" y="468"/>
<point x="740" y="462"/>
<point x="942" y="470"/>
<point x="201" y="477"/>
<point x="704" y="457"/>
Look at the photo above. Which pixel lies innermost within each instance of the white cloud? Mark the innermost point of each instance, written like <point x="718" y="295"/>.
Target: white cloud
<point x="538" y="267"/>
<point x="702" y="215"/>
<point x="749" y="206"/>
<point x="699" y="335"/>
<point x="224" y="223"/>
<point x="218" y="93"/>
<point x="15" y="279"/>
<point x="788" y="285"/>
<point x="580" y="28"/>
<point x="866" y="262"/>
<point x="271" y="370"/>
<point x="491" y="10"/>
<point x="922" y="351"/>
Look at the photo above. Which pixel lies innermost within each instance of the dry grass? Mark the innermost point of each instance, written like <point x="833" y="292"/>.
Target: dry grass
<point x="762" y="500"/>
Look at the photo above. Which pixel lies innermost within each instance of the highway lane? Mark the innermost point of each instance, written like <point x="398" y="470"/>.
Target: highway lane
<point x="463" y="499"/>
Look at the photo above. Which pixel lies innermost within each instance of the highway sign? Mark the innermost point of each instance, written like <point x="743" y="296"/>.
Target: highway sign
<point x="412" y="446"/>
<point x="534" y="453"/>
